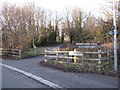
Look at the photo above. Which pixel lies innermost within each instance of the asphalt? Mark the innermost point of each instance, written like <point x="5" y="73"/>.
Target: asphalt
<point x="64" y="79"/>
<point x="11" y="79"/>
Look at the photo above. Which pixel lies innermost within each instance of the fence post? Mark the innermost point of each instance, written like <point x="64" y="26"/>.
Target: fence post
<point x="99" y="56"/>
<point x="57" y="54"/>
<point x="108" y="53"/>
<point x="68" y="57"/>
<point x="74" y="57"/>
<point x="82" y="59"/>
<point x="20" y="54"/>
<point x="109" y="59"/>
<point x="45" y="55"/>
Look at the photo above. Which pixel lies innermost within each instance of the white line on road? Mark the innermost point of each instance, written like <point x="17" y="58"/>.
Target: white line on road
<point x="46" y="82"/>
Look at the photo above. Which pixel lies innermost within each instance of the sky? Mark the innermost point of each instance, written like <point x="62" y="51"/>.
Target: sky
<point x="60" y="5"/>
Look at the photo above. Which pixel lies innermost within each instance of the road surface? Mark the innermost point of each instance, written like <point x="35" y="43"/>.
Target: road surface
<point x="64" y="79"/>
<point x="12" y="79"/>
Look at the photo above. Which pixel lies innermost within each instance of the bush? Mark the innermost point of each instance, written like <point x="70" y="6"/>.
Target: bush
<point x="75" y="67"/>
<point x="33" y="52"/>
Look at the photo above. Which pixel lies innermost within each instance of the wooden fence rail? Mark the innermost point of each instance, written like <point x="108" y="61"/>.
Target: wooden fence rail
<point x="75" y="55"/>
<point x="10" y="53"/>
<point x="50" y="54"/>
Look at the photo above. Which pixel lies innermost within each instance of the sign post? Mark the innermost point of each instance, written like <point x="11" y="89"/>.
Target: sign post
<point x="115" y="36"/>
<point x="75" y="53"/>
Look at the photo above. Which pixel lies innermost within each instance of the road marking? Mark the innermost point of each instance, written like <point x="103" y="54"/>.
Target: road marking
<point x="46" y="82"/>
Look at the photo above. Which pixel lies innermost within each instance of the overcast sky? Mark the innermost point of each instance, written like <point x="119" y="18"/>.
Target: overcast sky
<point x="60" y="5"/>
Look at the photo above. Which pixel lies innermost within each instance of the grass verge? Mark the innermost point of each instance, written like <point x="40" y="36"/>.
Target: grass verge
<point x="75" y="67"/>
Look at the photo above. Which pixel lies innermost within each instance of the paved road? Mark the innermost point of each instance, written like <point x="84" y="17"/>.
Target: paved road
<point x="13" y="79"/>
<point x="64" y="79"/>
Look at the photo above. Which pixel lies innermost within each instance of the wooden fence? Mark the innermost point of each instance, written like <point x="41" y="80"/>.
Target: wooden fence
<point x="95" y="49"/>
<point x="10" y="53"/>
<point x="80" y="53"/>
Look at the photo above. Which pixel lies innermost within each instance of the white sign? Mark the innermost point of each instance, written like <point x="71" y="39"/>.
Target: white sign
<point x="86" y="43"/>
<point x="75" y="53"/>
<point x="87" y="46"/>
